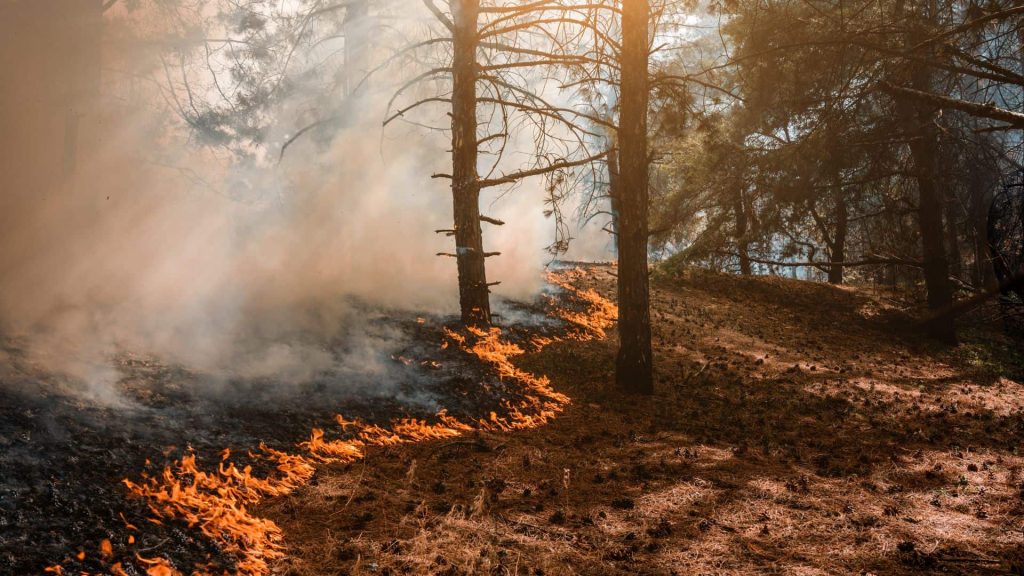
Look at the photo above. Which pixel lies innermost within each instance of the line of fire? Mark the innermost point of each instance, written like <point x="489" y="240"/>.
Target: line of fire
<point x="511" y="287"/>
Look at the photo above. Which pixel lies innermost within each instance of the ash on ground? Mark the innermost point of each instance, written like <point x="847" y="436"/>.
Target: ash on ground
<point x="62" y="457"/>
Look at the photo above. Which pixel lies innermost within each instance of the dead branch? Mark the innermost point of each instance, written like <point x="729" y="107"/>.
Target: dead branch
<point x="302" y="131"/>
<point x="398" y="114"/>
<point x="970" y="25"/>
<point x="974" y="109"/>
<point x="1014" y="284"/>
<point x="416" y="80"/>
<point x="515" y="176"/>
<point x="486" y="139"/>
<point x="441" y="17"/>
<point x="554" y="113"/>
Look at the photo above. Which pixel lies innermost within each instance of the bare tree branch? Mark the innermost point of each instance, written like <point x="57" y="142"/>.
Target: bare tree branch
<point x="561" y="165"/>
<point x="974" y="109"/>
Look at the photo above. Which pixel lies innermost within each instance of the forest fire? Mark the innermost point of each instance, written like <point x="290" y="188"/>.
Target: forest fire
<point x="218" y="502"/>
<point x="462" y="287"/>
<point x="215" y="503"/>
<point x="600" y="313"/>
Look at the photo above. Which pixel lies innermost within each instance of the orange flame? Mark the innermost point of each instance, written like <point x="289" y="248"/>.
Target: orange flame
<point x="599" y="315"/>
<point x="216" y="501"/>
<point x="158" y="567"/>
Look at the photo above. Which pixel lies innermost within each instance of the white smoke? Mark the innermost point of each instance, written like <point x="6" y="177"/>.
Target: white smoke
<point x="158" y="246"/>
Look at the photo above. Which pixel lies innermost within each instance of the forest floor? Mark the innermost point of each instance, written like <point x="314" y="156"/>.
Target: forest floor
<point x="797" y="428"/>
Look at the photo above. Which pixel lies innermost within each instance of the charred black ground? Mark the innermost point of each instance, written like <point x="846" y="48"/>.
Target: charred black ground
<point x="794" y="420"/>
<point x="63" y="457"/>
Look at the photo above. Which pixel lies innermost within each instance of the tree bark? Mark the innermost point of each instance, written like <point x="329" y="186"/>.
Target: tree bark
<point x="837" y="247"/>
<point x="933" y="249"/>
<point x="633" y="366"/>
<point x="742" y="245"/>
<point x="981" y="201"/>
<point x="474" y="301"/>
<point x="927" y="98"/>
<point x="952" y="237"/>
<point x="613" y="194"/>
<point x="919" y="123"/>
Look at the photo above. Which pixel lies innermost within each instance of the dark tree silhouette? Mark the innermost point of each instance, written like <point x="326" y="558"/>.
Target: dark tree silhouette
<point x="633" y="364"/>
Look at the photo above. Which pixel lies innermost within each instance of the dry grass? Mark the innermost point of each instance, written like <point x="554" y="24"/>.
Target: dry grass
<point x="794" y="432"/>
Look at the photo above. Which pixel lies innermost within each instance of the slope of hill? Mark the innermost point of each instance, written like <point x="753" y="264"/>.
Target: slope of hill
<point x="797" y="429"/>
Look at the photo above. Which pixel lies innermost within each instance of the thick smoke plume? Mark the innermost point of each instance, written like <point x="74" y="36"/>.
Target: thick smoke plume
<point x="123" y="234"/>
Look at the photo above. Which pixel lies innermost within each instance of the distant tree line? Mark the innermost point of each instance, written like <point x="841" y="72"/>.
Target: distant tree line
<point x="877" y="141"/>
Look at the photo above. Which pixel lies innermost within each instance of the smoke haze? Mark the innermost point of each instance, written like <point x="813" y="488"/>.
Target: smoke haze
<point x="143" y="241"/>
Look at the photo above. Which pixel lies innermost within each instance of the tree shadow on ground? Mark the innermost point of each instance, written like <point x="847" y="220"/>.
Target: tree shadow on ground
<point x="817" y="402"/>
<point x="794" y="431"/>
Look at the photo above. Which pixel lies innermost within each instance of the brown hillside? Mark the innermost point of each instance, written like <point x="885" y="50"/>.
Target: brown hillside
<point x="792" y="433"/>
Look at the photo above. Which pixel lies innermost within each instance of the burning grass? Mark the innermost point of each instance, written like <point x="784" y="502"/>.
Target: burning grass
<point x="219" y="501"/>
<point x="793" y="433"/>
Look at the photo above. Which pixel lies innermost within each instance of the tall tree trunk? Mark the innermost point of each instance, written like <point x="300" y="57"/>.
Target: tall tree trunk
<point x="633" y="366"/>
<point x="474" y="302"/>
<point x="929" y="215"/>
<point x="950" y="210"/>
<point x="614" y="188"/>
<point x="919" y="124"/>
<point x="742" y="245"/>
<point x="837" y="248"/>
<point x="933" y="249"/>
<point x="981" y="200"/>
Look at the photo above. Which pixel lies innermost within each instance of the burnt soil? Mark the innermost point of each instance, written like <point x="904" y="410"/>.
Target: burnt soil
<point x="63" y="455"/>
<point x="797" y="429"/>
